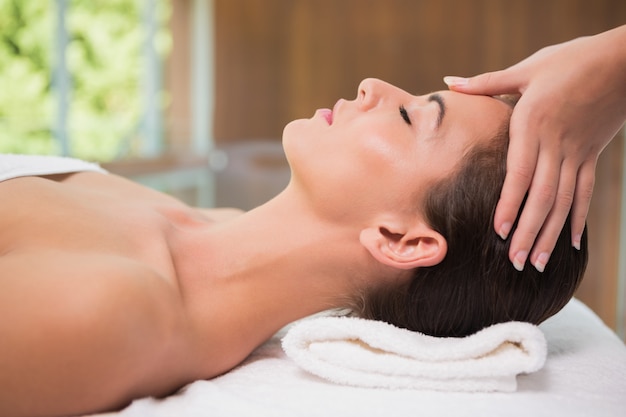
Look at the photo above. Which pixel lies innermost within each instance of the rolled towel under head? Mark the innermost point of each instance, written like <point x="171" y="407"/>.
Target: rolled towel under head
<point x="366" y="353"/>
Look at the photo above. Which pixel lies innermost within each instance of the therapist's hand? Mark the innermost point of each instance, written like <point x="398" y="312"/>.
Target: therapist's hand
<point x="573" y="102"/>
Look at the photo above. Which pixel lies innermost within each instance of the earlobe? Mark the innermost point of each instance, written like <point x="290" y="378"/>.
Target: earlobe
<point x="419" y="247"/>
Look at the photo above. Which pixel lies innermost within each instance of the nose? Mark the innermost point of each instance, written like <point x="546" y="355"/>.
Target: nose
<point x="370" y="93"/>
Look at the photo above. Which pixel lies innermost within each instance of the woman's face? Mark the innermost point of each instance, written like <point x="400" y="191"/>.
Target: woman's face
<point x="381" y="150"/>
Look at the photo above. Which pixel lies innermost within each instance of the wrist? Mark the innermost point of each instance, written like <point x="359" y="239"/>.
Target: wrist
<point x="607" y="56"/>
<point x="614" y="48"/>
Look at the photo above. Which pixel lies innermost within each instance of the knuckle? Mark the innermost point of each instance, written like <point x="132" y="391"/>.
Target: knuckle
<point x="525" y="237"/>
<point x="545" y="243"/>
<point x="564" y="199"/>
<point x="523" y="172"/>
<point x="585" y="191"/>
<point x="546" y="193"/>
<point x="487" y="78"/>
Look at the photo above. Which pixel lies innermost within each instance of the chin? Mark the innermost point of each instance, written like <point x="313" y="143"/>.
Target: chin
<point x="292" y="134"/>
<point x="293" y="128"/>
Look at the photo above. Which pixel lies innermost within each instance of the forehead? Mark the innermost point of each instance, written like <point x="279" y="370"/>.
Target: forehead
<point x="469" y="121"/>
<point x="470" y="118"/>
<point x="500" y="106"/>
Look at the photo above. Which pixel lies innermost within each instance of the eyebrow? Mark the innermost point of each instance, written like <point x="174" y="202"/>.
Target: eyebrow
<point x="442" y="107"/>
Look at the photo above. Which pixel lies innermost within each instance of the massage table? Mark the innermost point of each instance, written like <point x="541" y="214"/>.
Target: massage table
<point x="584" y="375"/>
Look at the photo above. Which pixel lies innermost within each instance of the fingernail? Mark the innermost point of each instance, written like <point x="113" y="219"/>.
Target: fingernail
<point x="455" y="81"/>
<point x="542" y="261"/>
<point x="520" y="260"/>
<point x="504" y="231"/>
<point x="576" y="242"/>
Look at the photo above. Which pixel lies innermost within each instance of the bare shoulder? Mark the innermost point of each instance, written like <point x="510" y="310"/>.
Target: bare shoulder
<point x="84" y="332"/>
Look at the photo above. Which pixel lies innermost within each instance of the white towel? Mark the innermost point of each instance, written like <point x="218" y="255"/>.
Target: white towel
<point x="13" y="165"/>
<point x="367" y="353"/>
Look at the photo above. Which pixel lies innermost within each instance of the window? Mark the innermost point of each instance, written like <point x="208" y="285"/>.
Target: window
<point x="83" y="77"/>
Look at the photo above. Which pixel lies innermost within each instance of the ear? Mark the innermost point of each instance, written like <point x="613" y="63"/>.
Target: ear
<point x="405" y="249"/>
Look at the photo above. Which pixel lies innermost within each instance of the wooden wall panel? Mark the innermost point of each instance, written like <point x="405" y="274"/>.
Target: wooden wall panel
<point x="599" y="288"/>
<point x="281" y="59"/>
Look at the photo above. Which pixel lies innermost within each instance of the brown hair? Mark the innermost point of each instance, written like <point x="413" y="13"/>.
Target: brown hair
<point x="476" y="285"/>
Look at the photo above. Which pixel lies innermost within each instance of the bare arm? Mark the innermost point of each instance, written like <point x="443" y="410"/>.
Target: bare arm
<point x="82" y="333"/>
<point x="573" y="102"/>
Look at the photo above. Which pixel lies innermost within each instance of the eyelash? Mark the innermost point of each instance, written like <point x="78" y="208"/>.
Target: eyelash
<point x="405" y="115"/>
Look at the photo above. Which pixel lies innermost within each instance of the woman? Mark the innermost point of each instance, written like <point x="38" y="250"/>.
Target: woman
<point x="111" y="291"/>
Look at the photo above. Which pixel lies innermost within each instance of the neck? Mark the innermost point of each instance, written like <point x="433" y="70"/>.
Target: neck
<point x="273" y="265"/>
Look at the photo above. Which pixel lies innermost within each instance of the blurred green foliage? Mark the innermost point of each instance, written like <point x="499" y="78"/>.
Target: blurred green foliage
<point x="104" y="59"/>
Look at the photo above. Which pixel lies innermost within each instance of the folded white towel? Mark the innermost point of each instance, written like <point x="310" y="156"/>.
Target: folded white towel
<point x="367" y="353"/>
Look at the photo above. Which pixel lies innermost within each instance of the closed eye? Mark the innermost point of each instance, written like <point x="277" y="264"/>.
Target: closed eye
<point x="405" y="115"/>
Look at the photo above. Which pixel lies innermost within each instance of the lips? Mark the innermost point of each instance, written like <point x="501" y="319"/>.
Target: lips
<point x="329" y="114"/>
<point x="326" y="114"/>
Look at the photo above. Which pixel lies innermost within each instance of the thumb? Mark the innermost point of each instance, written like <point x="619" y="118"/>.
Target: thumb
<point x="488" y="83"/>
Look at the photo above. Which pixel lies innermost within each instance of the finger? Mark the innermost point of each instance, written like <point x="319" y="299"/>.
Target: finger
<point x="553" y="225"/>
<point x="541" y="196"/>
<point x="582" y="199"/>
<point x="521" y="163"/>
<point x="489" y="83"/>
<point x="516" y="184"/>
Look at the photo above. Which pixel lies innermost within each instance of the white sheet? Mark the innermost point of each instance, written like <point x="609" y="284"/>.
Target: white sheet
<point x="14" y="166"/>
<point x="584" y="375"/>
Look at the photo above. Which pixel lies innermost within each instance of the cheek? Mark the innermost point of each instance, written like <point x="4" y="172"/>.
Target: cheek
<point x="379" y="156"/>
<point x="385" y="174"/>
<point x="386" y="158"/>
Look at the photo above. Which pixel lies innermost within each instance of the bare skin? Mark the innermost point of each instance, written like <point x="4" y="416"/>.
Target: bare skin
<point x="115" y="292"/>
<point x="111" y="291"/>
<point x="92" y="294"/>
